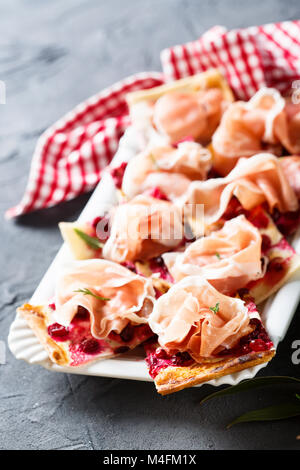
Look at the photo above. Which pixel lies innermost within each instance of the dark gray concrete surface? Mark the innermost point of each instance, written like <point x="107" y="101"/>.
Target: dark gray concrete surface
<point x="53" y="54"/>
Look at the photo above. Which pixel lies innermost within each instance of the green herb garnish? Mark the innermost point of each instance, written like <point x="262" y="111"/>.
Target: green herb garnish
<point x="154" y="161"/>
<point x="218" y="255"/>
<point x="216" y="308"/>
<point x="270" y="413"/>
<point x="93" y="242"/>
<point x="89" y="292"/>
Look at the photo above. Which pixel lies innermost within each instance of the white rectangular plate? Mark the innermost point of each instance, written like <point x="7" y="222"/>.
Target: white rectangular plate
<point x="277" y="312"/>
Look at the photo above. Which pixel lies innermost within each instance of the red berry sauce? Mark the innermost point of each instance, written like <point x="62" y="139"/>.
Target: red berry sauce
<point x="118" y="173"/>
<point x="82" y="345"/>
<point x="257" y="340"/>
<point x="58" y="332"/>
<point x="158" y="358"/>
<point x="157" y="193"/>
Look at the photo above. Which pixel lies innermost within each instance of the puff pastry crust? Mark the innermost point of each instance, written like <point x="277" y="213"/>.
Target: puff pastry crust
<point x="210" y="79"/>
<point x="172" y="379"/>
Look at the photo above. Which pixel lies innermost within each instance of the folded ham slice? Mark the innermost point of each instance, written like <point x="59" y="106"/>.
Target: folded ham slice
<point x="194" y="317"/>
<point x="291" y="169"/>
<point x="131" y="296"/>
<point x="228" y="258"/>
<point x="171" y="169"/>
<point x="253" y="181"/>
<point x="247" y="128"/>
<point x="287" y="127"/>
<point x="197" y="114"/>
<point x="143" y="228"/>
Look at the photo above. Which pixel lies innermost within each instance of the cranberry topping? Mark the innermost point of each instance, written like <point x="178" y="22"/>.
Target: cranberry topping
<point x="129" y="265"/>
<point x="157" y="265"/>
<point x="258" y="218"/>
<point x="52" y="306"/>
<point x="257" y="340"/>
<point x="57" y="331"/>
<point x="157" y="193"/>
<point x="234" y="209"/>
<point x="159" y="358"/>
<point x="118" y="173"/>
<point x="127" y="333"/>
<point x="157" y="293"/>
<point x="82" y="314"/>
<point x="265" y="243"/>
<point x="243" y="292"/>
<point x="276" y="264"/>
<point x="257" y="345"/>
<point x="89" y="346"/>
<point x="288" y="222"/>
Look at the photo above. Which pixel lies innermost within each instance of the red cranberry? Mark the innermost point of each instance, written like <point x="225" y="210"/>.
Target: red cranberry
<point x="127" y="333"/>
<point x="265" y="243"/>
<point x="82" y="313"/>
<point x="257" y="345"/>
<point x="259" y="220"/>
<point x="157" y="193"/>
<point x="129" y="265"/>
<point x="90" y="346"/>
<point x="58" y="331"/>
<point x="243" y="292"/>
<point x="245" y="349"/>
<point x="53" y="306"/>
<point x="161" y="353"/>
<point x="276" y="264"/>
<point x="118" y="173"/>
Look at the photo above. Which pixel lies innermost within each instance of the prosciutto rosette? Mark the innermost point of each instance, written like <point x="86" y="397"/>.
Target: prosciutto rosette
<point x="194" y="317"/>
<point x="253" y="181"/>
<point x="228" y="258"/>
<point x="167" y="168"/>
<point x="143" y="228"/>
<point x="117" y="296"/>
<point x="177" y="115"/>
<point x="247" y="128"/>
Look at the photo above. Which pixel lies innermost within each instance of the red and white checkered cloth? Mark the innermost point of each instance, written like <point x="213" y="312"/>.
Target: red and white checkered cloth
<point x="70" y="155"/>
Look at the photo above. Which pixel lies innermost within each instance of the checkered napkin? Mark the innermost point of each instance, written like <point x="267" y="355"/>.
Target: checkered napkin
<point x="70" y="155"/>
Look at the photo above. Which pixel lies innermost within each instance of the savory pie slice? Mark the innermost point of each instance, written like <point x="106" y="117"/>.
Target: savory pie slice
<point x="203" y="334"/>
<point x="253" y="181"/>
<point x="101" y="309"/>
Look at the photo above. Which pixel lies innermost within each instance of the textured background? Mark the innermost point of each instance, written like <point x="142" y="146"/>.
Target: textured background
<point x="52" y="56"/>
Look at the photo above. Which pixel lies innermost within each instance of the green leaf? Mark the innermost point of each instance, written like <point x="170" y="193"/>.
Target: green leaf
<point x="271" y="413"/>
<point x="252" y="384"/>
<point x="154" y="161"/>
<point x="298" y="396"/>
<point x="218" y="255"/>
<point x="215" y="309"/>
<point x="93" y="242"/>
<point x="89" y="292"/>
